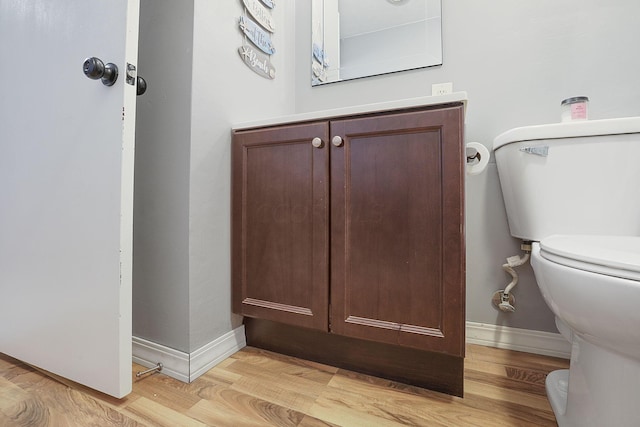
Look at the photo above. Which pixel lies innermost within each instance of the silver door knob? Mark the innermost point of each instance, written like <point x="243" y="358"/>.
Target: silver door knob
<point x="337" y="141"/>
<point x="316" y="142"/>
<point x="95" y="69"/>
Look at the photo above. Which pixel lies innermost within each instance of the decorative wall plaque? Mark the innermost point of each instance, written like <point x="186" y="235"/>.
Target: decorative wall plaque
<point x="257" y="47"/>
<point x="319" y="55"/>
<point x="260" y="13"/>
<point x="257" y="61"/>
<point x="257" y="35"/>
<point x="269" y="3"/>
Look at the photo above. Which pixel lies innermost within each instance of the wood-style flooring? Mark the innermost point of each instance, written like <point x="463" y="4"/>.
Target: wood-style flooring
<point x="258" y="388"/>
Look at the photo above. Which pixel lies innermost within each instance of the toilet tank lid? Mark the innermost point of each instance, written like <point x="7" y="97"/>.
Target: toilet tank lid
<point x="569" y="130"/>
<point x="620" y="253"/>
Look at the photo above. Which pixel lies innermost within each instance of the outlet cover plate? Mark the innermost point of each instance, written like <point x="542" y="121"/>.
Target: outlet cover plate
<point x="438" y="89"/>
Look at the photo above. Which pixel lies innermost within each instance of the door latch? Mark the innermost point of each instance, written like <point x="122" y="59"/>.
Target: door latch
<point x="134" y="80"/>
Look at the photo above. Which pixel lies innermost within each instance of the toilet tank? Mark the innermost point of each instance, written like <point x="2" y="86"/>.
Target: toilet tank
<point x="571" y="178"/>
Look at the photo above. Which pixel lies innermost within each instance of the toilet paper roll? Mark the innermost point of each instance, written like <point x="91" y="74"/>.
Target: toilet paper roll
<point x="477" y="158"/>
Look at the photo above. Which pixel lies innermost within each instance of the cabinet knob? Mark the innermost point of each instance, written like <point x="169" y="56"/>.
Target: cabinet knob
<point x="337" y="141"/>
<point x="316" y="142"/>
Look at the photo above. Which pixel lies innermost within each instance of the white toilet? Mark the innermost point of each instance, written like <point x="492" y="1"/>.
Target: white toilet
<point x="573" y="190"/>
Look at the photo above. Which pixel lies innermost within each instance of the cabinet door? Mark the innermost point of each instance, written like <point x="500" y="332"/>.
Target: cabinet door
<point x="397" y="248"/>
<point x="280" y="224"/>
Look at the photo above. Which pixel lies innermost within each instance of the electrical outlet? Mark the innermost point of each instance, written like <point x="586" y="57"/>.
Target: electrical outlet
<point x="441" y="89"/>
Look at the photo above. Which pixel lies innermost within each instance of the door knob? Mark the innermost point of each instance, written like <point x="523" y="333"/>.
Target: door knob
<point x="316" y="142"/>
<point x="95" y="69"/>
<point x="142" y="86"/>
<point x="337" y="141"/>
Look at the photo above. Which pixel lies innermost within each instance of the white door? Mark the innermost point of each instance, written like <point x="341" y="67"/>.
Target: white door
<point x="66" y="188"/>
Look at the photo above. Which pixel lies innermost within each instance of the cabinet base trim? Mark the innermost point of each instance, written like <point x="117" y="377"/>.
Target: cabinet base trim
<point x="434" y="371"/>
<point x="420" y="330"/>
<point x="186" y="367"/>
<point x="277" y="306"/>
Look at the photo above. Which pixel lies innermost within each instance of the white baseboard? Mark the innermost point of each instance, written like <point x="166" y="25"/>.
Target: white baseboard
<point x="209" y="355"/>
<point x="183" y="366"/>
<point x="175" y="363"/>
<point x="538" y="342"/>
<point x="187" y="367"/>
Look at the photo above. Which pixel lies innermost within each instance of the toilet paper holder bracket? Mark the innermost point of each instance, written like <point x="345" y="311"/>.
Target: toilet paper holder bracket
<point x="470" y="159"/>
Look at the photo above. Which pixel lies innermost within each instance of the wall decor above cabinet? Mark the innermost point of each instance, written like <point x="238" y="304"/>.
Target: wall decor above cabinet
<point x="269" y="3"/>
<point x="360" y="39"/>
<point x="257" y="46"/>
<point x="260" y="13"/>
<point x="257" y="61"/>
<point x="257" y="35"/>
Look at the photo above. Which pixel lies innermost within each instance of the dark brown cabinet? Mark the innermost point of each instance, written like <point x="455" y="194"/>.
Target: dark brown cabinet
<point x="349" y="232"/>
<point x="280" y="252"/>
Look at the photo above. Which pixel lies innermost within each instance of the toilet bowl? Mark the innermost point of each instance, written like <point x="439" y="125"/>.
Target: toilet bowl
<point x="592" y="285"/>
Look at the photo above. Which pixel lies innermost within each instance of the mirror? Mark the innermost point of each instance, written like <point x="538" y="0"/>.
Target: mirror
<point x="353" y="38"/>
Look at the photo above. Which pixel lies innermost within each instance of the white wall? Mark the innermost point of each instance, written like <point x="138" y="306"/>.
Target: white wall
<point x="198" y="88"/>
<point x="516" y="60"/>
<point x="161" y="200"/>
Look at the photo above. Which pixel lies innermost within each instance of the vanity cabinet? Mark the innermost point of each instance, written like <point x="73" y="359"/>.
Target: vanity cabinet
<point x="348" y="236"/>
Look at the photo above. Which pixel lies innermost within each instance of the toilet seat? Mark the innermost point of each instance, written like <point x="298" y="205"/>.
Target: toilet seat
<point x="617" y="256"/>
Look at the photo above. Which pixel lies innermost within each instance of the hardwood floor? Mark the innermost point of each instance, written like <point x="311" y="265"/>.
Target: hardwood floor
<point x="259" y="388"/>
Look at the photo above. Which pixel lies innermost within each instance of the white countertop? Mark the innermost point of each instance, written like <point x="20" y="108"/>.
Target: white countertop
<point x="423" y="101"/>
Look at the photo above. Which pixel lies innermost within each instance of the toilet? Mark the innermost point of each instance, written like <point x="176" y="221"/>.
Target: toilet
<point x="572" y="190"/>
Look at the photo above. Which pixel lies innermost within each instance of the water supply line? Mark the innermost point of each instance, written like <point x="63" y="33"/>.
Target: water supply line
<point x="503" y="298"/>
